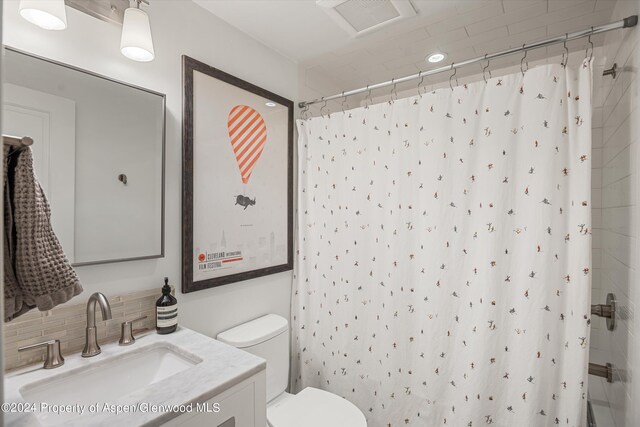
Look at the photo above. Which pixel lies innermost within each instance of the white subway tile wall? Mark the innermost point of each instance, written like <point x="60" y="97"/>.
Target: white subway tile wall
<point x="67" y="323"/>
<point x="615" y="200"/>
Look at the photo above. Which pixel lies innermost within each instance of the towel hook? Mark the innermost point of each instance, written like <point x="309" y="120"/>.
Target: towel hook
<point x="565" y="54"/>
<point x="522" y="61"/>
<point x="485" y="68"/>
<point x="420" y="84"/>
<point x="455" y="71"/>
<point x="393" y="92"/>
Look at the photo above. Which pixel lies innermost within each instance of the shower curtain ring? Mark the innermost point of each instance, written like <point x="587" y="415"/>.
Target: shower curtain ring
<point x="344" y="101"/>
<point x="393" y="91"/>
<point x="522" y="61"/>
<point x="586" y="54"/>
<point x="305" y="112"/>
<point x="420" y="84"/>
<point x="324" y="106"/>
<point x="485" y="68"/>
<point x="565" y="54"/>
<point x="367" y="100"/>
<point x="455" y="71"/>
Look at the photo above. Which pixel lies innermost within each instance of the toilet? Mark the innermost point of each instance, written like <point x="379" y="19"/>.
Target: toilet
<point x="268" y="337"/>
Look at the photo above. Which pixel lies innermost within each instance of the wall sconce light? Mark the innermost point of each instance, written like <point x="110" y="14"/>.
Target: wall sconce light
<point x="136" y="42"/>
<point x="47" y="14"/>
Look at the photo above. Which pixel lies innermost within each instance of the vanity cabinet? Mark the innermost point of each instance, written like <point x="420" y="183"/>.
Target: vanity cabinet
<point x="181" y="379"/>
<point x="243" y="405"/>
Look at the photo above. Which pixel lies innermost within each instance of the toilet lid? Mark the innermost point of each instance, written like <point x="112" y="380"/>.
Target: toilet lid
<point x="315" y="408"/>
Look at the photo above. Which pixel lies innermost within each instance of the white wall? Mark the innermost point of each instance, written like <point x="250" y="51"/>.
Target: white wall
<point x="616" y="120"/>
<point x="178" y="27"/>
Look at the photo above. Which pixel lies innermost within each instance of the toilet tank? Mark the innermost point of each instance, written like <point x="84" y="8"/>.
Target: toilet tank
<point x="266" y="337"/>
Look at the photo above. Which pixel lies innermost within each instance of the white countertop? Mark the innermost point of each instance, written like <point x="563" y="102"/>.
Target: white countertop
<point x="222" y="367"/>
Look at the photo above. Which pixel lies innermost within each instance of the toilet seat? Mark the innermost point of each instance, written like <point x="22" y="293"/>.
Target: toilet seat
<point x="313" y="407"/>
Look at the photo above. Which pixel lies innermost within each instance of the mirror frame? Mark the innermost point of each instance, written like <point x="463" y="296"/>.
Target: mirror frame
<point x="164" y="138"/>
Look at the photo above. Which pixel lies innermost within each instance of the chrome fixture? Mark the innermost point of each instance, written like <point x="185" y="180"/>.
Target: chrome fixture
<point x="608" y="311"/>
<point x="613" y="71"/>
<point x="111" y="11"/>
<point x="136" y="42"/>
<point x="630" y="21"/>
<point x="91" y="347"/>
<point x="604" y="371"/>
<point x="53" y="357"/>
<point x="126" y="336"/>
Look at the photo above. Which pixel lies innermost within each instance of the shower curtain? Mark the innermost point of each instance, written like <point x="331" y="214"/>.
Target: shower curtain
<point x="443" y="273"/>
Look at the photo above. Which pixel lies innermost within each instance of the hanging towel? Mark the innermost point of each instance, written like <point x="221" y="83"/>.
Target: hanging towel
<point x="37" y="272"/>
<point x="13" y="304"/>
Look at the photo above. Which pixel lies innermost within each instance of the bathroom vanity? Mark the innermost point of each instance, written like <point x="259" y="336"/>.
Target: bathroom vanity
<point x="181" y="379"/>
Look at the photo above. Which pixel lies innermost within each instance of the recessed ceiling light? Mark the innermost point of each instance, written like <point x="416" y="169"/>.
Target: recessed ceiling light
<point x="270" y="104"/>
<point x="436" y="57"/>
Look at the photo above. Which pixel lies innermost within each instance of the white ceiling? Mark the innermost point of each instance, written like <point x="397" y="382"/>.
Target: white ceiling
<point x="298" y="29"/>
<point x="331" y="60"/>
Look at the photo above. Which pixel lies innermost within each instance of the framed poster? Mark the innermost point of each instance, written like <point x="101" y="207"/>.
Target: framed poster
<point x="237" y="179"/>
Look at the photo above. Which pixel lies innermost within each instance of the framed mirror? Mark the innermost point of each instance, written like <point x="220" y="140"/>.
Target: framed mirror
<point x="99" y="153"/>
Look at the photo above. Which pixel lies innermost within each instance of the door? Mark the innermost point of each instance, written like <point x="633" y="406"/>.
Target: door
<point x="50" y="120"/>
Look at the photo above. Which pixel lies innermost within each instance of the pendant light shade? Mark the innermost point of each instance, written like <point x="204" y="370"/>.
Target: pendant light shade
<point x="47" y="14"/>
<point x="136" y="42"/>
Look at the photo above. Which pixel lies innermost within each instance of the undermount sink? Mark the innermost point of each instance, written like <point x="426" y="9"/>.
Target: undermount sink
<point x="107" y="380"/>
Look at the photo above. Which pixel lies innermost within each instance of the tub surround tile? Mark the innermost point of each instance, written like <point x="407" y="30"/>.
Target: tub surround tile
<point x="618" y="257"/>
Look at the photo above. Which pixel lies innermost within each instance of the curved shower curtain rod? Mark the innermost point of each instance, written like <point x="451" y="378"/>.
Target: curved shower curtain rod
<point x="628" y="22"/>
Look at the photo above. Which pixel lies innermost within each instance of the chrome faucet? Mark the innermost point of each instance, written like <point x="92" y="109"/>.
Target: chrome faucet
<point x="91" y="347"/>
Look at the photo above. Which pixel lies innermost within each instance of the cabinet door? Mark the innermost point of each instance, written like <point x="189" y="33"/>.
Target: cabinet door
<point x="236" y="409"/>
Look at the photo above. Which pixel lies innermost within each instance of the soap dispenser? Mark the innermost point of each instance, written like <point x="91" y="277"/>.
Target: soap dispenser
<point x="166" y="310"/>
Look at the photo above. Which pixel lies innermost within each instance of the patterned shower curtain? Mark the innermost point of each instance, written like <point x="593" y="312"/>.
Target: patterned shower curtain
<point x="443" y="273"/>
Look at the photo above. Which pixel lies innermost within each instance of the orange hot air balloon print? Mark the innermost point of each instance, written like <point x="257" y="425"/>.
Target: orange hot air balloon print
<point x="248" y="134"/>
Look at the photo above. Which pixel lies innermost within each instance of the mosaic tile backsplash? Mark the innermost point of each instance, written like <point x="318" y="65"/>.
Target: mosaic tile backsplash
<point x="67" y="323"/>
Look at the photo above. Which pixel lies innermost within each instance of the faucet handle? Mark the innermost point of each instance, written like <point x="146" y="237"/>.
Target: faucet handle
<point x="126" y="336"/>
<point x="53" y="358"/>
